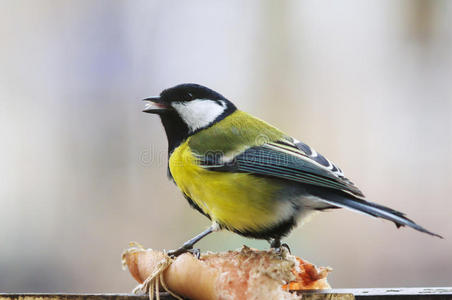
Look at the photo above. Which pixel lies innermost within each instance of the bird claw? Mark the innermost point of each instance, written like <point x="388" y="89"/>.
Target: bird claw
<point x="196" y="253"/>
<point x="280" y="250"/>
<point x="284" y="245"/>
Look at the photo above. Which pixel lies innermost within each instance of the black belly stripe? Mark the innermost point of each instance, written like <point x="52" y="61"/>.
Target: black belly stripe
<point x="276" y="231"/>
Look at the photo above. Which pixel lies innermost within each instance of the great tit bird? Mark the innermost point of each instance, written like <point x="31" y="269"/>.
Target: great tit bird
<point x="247" y="176"/>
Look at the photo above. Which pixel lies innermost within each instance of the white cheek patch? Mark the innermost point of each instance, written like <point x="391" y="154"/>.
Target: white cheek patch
<point x="199" y="113"/>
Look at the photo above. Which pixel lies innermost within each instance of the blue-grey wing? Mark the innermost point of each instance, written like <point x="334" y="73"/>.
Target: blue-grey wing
<point x="286" y="159"/>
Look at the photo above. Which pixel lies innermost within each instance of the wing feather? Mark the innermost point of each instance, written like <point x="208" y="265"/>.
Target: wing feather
<point x="285" y="159"/>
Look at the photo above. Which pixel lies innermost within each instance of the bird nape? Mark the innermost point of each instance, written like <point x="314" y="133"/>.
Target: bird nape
<point x="247" y="176"/>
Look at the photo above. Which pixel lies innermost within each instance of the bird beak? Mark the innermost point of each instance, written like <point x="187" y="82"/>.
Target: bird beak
<point x="154" y="105"/>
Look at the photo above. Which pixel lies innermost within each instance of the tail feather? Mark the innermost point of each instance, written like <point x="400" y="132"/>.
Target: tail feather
<point x="374" y="210"/>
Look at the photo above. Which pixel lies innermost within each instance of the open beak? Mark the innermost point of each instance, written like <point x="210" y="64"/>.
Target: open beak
<point x="154" y="105"/>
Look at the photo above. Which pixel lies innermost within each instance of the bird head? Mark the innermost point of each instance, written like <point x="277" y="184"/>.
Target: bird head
<point x="189" y="105"/>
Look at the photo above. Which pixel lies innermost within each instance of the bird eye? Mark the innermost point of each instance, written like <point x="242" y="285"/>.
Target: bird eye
<point x="190" y="95"/>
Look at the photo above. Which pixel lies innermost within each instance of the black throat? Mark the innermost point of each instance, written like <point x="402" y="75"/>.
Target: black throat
<point x="176" y="129"/>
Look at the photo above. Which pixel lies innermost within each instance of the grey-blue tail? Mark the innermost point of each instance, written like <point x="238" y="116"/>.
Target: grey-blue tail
<point x="372" y="209"/>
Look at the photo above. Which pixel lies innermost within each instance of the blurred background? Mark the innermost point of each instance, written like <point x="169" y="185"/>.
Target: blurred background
<point x="83" y="170"/>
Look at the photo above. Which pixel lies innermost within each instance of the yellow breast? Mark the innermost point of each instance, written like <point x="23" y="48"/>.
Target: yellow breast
<point x="236" y="200"/>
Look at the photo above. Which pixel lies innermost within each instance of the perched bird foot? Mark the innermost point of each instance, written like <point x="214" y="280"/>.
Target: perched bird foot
<point x="278" y="247"/>
<point x="284" y="245"/>
<point x="196" y="252"/>
<point x="184" y="249"/>
<point x="282" y="250"/>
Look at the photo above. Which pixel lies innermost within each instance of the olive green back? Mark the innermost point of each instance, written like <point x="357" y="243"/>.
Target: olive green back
<point x="235" y="133"/>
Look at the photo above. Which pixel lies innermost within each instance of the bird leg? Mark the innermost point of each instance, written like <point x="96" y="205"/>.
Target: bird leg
<point x="275" y="243"/>
<point x="188" y="245"/>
